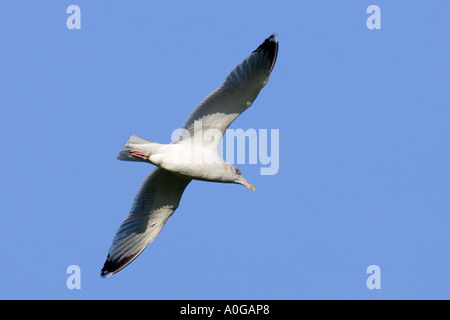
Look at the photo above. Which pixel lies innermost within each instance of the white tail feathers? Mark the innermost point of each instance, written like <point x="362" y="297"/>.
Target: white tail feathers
<point x="135" y="143"/>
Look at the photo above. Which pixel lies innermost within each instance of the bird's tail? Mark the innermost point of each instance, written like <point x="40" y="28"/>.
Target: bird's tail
<point x="135" y="143"/>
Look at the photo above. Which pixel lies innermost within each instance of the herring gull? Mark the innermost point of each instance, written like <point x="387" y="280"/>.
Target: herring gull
<point x="188" y="158"/>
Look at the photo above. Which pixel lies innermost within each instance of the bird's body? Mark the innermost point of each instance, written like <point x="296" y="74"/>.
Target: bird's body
<point x="192" y="156"/>
<point x="185" y="159"/>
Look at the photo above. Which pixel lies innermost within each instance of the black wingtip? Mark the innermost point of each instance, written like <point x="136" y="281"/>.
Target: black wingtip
<point x="107" y="269"/>
<point x="270" y="45"/>
<point x="113" y="266"/>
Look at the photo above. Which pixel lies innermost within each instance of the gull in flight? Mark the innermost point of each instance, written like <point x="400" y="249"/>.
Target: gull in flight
<point x="192" y="156"/>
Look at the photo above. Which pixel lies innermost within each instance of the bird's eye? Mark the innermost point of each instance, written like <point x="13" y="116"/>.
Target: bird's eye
<point x="238" y="171"/>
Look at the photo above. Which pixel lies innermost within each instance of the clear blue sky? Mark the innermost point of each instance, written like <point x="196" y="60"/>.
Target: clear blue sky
<point x="363" y="118"/>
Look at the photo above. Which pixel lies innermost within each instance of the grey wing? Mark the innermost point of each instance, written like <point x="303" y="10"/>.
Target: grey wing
<point x="156" y="200"/>
<point x="241" y="87"/>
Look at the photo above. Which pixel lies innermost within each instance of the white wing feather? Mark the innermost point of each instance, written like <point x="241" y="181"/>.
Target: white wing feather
<point x="240" y="88"/>
<point x="155" y="202"/>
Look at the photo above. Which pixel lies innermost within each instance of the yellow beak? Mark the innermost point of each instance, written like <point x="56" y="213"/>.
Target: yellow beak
<point x="248" y="185"/>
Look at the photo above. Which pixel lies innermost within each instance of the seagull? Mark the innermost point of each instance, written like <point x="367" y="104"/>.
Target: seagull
<point x="193" y="155"/>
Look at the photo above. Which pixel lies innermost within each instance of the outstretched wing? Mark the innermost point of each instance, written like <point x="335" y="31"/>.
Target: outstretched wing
<point x="241" y="87"/>
<point x="153" y="205"/>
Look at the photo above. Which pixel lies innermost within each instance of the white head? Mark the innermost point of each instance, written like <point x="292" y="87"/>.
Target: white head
<point x="234" y="175"/>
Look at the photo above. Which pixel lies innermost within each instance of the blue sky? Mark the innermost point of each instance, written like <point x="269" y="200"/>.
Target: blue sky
<point x="363" y="119"/>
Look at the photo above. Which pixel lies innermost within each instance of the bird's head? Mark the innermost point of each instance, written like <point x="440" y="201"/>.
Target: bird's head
<point x="238" y="178"/>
